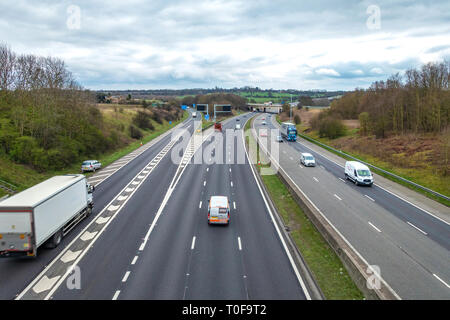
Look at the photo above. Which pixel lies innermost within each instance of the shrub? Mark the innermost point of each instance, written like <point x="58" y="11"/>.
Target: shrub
<point x="331" y="128"/>
<point x="22" y="149"/>
<point x="142" y="120"/>
<point x="135" y="133"/>
<point x="297" y="119"/>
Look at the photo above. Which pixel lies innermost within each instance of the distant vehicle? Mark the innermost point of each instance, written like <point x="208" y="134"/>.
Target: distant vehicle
<point x="90" y="165"/>
<point x="263" y="133"/>
<point x="238" y="119"/>
<point x="218" y="126"/>
<point x="307" y="159"/>
<point x="289" y="131"/>
<point x="43" y="214"/>
<point x="238" y="126"/>
<point x="279" y="139"/>
<point x="358" y="173"/>
<point x="264" y="123"/>
<point x="194" y="114"/>
<point x="219" y="210"/>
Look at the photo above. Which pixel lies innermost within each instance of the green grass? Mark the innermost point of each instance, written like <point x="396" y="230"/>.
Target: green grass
<point x="325" y="265"/>
<point x="327" y="268"/>
<point x="24" y="177"/>
<point x="159" y="129"/>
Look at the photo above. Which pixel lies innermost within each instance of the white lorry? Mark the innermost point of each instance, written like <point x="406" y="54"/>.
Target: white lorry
<point x="43" y="213"/>
<point x="194" y="114"/>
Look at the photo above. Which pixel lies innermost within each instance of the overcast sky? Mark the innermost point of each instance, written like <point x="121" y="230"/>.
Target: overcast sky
<point x="278" y="44"/>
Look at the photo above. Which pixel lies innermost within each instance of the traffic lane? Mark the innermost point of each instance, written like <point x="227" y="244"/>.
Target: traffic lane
<point x="215" y="271"/>
<point x="435" y="228"/>
<point x="266" y="267"/>
<point x="136" y="215"/>
<point x="16" y="274"/>
<point x="162" y="268"/>
<point x="396" y="246"/>
<point x="265" y="259"/>
<point x="269" y="272"/>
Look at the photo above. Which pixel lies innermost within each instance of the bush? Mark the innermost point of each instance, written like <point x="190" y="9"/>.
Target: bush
<point x="135" y="133"/>
<point x="142" y="120"/>
<point x="23" y="148"/>
<point x="297" y="119"/>
<point x="157" y="117"/>
<point x="331" y="128"/>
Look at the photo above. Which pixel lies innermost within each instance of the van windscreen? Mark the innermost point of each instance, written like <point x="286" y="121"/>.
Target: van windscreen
<point x="363" y="173"/>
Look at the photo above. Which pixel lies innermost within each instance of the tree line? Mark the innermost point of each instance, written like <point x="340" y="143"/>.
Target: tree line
<point x="48" y="121"/>
<point x="418" y="102"/>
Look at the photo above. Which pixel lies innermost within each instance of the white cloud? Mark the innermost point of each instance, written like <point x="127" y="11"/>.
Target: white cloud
<point x="191" y="43"/>
<point x="327" y="72"/>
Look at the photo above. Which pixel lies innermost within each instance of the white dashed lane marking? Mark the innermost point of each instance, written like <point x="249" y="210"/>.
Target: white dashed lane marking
<point x="337" y="197"/>
<point x="125" y="277"/>
<point x="193" y="243"/>
<point x="373" y="226"/>
<point x="116" y="295"/>
<point x="420" y="230"/>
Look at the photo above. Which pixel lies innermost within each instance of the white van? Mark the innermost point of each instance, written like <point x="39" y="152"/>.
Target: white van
<point x="358" y="173"/>
<point x="307" y="159"/>
<point x="219" y="210"/>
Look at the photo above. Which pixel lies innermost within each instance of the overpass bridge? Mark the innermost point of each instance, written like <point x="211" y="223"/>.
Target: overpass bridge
<point x="265" y="107"/>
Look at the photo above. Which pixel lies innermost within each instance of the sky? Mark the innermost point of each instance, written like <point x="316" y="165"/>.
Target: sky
<point x="278" y="44"/>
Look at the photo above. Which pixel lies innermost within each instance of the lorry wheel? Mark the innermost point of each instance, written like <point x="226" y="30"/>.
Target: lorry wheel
<point x="88" y="211"/>
<point x="56" y="239"/>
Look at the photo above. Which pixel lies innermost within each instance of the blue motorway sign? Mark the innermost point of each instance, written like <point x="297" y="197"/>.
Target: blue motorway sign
<point x="207" y="117"/>
<point x="183" y="107"/>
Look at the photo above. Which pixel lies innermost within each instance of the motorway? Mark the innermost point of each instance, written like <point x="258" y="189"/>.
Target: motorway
<point x="410" y="246"/>
<point x="148" y="237"/>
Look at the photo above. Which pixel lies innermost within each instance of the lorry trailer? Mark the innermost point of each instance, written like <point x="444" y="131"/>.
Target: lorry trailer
<point x="43" y="214"/>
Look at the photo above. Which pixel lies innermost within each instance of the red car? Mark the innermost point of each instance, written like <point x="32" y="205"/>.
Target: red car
<point x="218" y="126"/>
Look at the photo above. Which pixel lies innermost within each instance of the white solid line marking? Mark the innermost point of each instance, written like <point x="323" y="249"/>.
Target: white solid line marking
<point x="231" y="183"/>
<point x="134" y="260"/>
<point x="374" y="227"/>
<point x="369" y="197"/>
<point x="116" y="295"/>
<point x="200" y="205"/>
<point x="341" y="179"/>
<point x="416" y="227"/>
<point x="239" y="242"/>
<point x="125" y="277"/>
<point x="234" y="205"/>
<point x="204" y="183"/>
<point x="441" y="280"/>
<point x="193" y="243"/>
<point x="337" y="197"/>
<point x="317" y="180"/>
